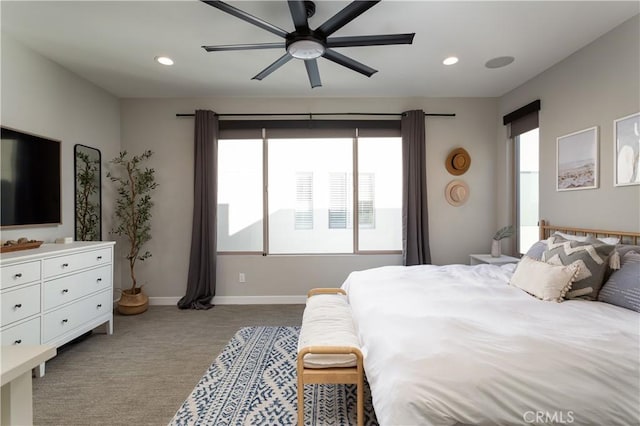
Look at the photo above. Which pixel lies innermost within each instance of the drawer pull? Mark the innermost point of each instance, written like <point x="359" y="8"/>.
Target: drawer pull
<point x="65" y="265"/>
<point x="99" y="280"/>
<point x="99" y="305"/>
<point x="65" y="321"/>
<point x="17" y="342"/>
<point x="17" y="305"/>
<point x="18" y="275"/>
<point x="65" y="290"/>
<point x="99" y="258"/>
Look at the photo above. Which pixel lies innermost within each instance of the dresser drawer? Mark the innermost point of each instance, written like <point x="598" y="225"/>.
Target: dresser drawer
<point x="62" y="290"/>
<point x="75" y="262"/>
<point x="27" y="333"/>
<point x="19" y="304"/>
<point x="21" y="273"/>
<point x="77" y="314"/>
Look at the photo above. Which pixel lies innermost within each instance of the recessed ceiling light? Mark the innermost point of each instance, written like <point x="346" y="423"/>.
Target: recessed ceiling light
<point x="450" y="60"/>
<point x="499" y="62"/>
<point x="164" y="60"/>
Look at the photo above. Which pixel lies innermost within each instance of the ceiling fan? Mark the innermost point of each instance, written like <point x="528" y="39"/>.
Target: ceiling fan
<point x="307" y="44"/>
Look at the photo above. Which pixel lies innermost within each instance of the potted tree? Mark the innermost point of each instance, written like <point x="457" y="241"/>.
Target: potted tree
<point x="134" y="184"/>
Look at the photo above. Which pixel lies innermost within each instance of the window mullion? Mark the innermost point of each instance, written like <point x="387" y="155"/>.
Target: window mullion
<point x="265" y="194"/>
<point x="356" y="226"/>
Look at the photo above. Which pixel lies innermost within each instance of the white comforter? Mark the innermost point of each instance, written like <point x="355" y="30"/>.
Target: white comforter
<point x="456" y="344"/>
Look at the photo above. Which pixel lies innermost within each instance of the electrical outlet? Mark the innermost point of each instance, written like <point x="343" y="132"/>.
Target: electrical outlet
<point x="242" y="278"/>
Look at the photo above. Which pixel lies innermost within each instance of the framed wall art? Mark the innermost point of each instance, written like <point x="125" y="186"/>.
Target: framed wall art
<point x="626" y="155"/>
<point x="577" y="160"/>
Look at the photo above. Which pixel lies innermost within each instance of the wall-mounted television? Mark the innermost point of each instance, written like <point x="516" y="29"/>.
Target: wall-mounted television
<point x="30" y="172"/>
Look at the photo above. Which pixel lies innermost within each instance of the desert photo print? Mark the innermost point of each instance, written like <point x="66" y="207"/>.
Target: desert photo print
<point x="578" y="160"/>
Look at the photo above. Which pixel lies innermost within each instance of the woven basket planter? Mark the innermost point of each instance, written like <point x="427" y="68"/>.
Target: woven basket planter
<point x="133" y="304"/>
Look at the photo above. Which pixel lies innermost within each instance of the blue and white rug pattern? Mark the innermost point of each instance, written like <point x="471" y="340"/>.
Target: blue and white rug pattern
<point x="253" y="382"/>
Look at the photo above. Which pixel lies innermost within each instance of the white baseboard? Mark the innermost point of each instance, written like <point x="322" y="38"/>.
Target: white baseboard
<point x="163" y="301"/>
<point x="238" y="300"/>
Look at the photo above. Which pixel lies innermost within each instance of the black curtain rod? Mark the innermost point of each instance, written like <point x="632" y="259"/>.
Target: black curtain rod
<point x="303" y="114"/>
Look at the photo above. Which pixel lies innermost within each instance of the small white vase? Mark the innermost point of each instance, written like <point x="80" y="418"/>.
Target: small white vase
<point x="496" y="248"/>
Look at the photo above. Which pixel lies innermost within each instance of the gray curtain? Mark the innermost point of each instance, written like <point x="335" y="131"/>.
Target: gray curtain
<point x="415" y="220"/>
<point x="201" y="281"/>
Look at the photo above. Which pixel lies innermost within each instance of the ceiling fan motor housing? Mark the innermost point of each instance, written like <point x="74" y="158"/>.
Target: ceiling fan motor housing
<point x="305" y="46"/>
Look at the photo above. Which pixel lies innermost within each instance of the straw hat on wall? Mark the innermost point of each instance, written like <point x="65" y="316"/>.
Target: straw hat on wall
<point x="458" y="161"/>
<point x="456" y="192"/>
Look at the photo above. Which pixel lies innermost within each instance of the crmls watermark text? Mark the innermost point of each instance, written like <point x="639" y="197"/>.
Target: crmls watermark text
<point x="548" y="417"/>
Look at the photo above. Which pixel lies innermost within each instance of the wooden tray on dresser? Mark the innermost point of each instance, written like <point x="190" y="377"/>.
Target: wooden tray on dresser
<point x="25" y="246"/>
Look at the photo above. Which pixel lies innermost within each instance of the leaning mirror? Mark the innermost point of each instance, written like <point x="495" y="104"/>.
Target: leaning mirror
<point x="88" y="194"/>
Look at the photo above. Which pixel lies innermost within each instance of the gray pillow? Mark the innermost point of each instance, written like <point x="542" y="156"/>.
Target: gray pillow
<point x="625" y="248"/>
<point x="593" y="258"/>
<point x="623" y="287"/>
<point x="536" y="250"/>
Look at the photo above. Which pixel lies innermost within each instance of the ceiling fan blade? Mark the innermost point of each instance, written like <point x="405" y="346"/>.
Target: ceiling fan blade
<point x="299" y="15"/>
<point x="312" y="71"/>
<point x="274" y="66"/>
<point x="345" y="61"/>
<point x="346" y="15"/>
<point x="254" y="46"/>
<point x="372" y="40"/>
<point x="246" y="17"/>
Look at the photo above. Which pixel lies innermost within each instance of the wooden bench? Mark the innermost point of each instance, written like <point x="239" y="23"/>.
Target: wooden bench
<point x="328" y="347"/>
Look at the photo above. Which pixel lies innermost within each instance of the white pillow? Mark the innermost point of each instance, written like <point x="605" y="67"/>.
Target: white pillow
<point x="607" y="240"/>
<point x="542" y="280"/>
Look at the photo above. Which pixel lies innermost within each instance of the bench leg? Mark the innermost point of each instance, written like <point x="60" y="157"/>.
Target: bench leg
<point x="300" y="399"/>
<point x="360" y="401"/>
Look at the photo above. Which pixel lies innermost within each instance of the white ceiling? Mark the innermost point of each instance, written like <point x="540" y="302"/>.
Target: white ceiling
<point x="113" y="44"/>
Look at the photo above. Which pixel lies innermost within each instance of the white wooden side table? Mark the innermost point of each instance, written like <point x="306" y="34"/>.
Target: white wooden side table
<point x="17" y="363"/>
<point x="478" y="259"/>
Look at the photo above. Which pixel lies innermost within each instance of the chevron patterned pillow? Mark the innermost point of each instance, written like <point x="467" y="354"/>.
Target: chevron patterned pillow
<point x="592" y="258"/>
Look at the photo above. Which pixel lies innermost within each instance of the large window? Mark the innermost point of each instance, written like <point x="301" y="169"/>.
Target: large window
<point x="527" y="193"/>
<point x="313" y="191"/>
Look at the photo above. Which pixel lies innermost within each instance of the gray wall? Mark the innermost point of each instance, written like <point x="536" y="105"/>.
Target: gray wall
<point x="592" y="87"/>
<point x="41" y="97"/>
<point x="455" y="232"/>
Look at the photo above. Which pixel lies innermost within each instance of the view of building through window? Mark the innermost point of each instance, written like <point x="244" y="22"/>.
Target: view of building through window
<point x="304" y="201"/>
<point x="527" y="190"/>
<point x="310" y="195"/>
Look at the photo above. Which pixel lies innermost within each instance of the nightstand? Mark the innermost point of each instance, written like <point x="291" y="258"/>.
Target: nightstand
<point x="477" y="259"/>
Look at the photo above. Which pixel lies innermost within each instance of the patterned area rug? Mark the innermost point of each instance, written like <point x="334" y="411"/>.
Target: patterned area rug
<point x="253" y="382"/>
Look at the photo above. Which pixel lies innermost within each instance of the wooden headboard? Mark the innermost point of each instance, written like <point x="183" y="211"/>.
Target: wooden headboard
<point x="547" y="230"/>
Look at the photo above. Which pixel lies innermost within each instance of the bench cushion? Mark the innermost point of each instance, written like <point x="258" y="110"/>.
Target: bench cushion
<point x="327" y="321"/>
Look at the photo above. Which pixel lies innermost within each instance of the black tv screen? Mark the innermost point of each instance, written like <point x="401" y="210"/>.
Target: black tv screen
<point x="30" y="171"/>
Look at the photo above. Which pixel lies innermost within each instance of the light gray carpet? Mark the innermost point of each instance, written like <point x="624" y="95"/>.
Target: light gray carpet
<point x="142" y="373"/>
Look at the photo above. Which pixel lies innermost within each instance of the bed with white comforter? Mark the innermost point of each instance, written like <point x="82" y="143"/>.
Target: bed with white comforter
<point x="456" y="344"/>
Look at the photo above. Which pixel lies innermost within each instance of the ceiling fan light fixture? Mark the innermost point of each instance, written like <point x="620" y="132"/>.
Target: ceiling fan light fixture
<point x="164" y="60"/>
<point x="451" y="60"/>
<point x="306" y="49"/>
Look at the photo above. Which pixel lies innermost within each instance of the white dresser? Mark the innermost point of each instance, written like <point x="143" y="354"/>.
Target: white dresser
<point x="55" y="293"/>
